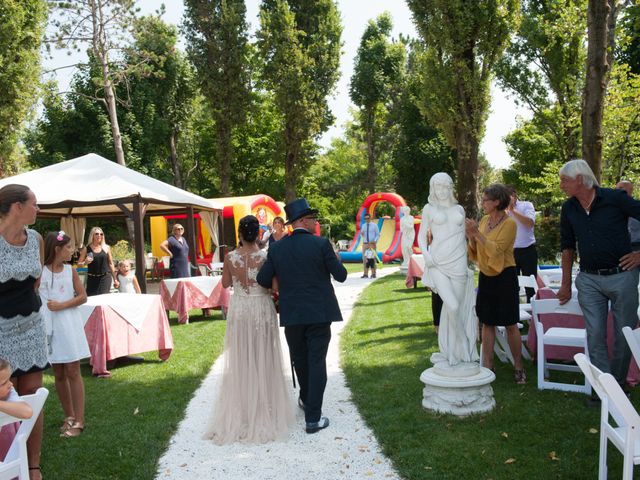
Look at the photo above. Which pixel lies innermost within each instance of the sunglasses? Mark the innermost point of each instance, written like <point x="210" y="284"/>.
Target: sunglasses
<point x="99" y="234"/>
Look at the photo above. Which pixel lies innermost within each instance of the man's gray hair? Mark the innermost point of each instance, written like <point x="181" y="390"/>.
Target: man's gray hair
<point x="573" y="168"/>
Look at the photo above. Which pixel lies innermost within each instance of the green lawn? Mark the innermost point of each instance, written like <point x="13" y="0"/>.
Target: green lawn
<point x="531" y="434"/>
<point x="131" y="416"/>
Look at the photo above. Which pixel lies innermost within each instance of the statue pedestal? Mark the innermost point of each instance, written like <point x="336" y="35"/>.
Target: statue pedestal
<point x="461" y="390"/>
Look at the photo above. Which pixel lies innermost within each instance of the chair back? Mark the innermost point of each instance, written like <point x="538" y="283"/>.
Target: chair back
<point x="633" y="339"/>
<point x="529" y="281"/>
<point x="550" y="276"/>
<point x="166" y="261"/>
<point x="204" y="270"/>
<point x="149" y="263"/>
<point x="552" y="305"/>
<point x="626" y="415"/>
<point x="15" y="462"/>
<point x="216" y="268"/>
<point x="593" y="374"/>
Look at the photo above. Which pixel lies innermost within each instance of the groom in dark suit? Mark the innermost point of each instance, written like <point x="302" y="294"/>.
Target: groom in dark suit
<point x="303" y="265"/>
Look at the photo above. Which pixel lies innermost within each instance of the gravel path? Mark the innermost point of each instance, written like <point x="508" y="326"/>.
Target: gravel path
<point x="346" y="449"/>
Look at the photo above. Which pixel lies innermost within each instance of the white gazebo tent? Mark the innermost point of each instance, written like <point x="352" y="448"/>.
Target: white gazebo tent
<point x="92" y="186"/>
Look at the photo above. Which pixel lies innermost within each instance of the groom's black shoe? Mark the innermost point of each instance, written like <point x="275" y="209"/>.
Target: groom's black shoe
<point x="313" y="427"/>
<point x="301" y="404"/>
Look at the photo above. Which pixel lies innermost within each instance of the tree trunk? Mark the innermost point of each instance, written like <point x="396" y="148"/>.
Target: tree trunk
<point x="290" y="174"/>
<point x="467" y="147"/>
<point x="113" y="119"/>
<point x="595" y="87"/>
<point x="99" y="45"/>
<point x="224" y="151"/>
<point x="371" y="153"/>
<point x="175" y="162"/>
<point x="292" y="148"/>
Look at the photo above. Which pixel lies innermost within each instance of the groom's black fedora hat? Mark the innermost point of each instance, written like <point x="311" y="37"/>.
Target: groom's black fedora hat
<point x="298" y="209"/>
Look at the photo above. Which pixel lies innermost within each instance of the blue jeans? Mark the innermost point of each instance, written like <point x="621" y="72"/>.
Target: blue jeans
<point x="594" y="294"/>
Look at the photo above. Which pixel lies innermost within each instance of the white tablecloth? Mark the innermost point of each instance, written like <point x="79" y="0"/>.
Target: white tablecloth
<point x="204" y="284"/>
<point x="132" y="307"/>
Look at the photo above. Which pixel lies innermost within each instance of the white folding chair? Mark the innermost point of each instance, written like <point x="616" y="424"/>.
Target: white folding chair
<point x="16" y="463"/>
<point x="633" y="339"/>
<point x="216" y="268"/>
<point x="525" y="281"/>
<point x="594" y="375"/>
<point x="558" y="336"/>
<point x="551" y="276"/>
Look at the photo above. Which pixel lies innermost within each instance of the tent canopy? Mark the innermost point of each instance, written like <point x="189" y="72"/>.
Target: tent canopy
<point x="92" y="186"/>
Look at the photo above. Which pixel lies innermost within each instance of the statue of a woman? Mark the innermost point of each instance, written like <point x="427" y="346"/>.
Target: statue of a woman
<point x="447" y="273"/>
<point x="408" y="235"/>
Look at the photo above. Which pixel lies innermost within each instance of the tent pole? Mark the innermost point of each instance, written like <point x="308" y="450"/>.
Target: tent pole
<point x="138" y="235"/>
<point x="191" y="235"/>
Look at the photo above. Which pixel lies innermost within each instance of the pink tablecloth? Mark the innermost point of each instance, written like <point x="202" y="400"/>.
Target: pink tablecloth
<point x="188" y="296"/>
<point x="7" y="434"/>
<point x="110" y="336"/>
<point x="572" y="321"/>
<point x="414" y="270"/>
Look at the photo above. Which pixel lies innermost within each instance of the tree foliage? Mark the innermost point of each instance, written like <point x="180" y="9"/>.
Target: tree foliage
<point x="162" y="98"/>
<point x="463" y="41"/>
<point x="299" y="42"/>
<point x="628" y="48"/>
<point x="377" y="76"/>
<point x="621" y="127"/>
<point x="70" y="125"/>
<point x="105" y="27"/>
<point x="22" y="24"/>
<point x="420" y="150"/>
<point x="216" y="33"/>
<point x="544" y="66"/>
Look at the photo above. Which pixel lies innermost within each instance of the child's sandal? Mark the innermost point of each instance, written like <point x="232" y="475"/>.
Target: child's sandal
<point x="66" y="424"/>
<point x="74" y="430"/>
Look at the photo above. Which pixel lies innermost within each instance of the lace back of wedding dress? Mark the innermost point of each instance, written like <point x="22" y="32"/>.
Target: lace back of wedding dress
<point x="253" y="404"/>
<point x="244" y="269"/>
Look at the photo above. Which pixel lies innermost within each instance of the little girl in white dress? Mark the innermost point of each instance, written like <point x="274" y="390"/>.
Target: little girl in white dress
<point x="61" y="290"/>
<point x="128" y="281"/>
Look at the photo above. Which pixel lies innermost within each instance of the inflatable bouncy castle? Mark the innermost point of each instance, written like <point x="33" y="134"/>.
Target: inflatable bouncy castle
<point x="389" y="246"/>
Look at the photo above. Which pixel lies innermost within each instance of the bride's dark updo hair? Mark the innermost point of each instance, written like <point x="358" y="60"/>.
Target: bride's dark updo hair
<point x="248" y="228"/>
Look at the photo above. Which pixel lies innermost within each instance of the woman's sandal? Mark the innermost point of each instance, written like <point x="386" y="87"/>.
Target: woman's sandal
<point x="74" y="430"/>
<point x="520" y="377"/>
<point x="66" y="424"/>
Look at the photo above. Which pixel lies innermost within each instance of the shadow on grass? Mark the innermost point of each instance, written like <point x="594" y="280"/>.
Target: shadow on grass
<point x="530" y="434"/>
<point x="131" y="416"/>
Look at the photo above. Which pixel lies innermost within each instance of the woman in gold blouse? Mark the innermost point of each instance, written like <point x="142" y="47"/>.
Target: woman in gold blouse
<point x="490" y="244"/>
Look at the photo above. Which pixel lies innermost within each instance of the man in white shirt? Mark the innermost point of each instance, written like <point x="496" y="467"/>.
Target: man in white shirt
<point x="370" y="236"/>
<point x="524" y="248"/>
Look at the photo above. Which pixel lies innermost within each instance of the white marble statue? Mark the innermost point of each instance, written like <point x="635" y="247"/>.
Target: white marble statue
<point x="408" y="235"/>
<point x="446" y="272"/>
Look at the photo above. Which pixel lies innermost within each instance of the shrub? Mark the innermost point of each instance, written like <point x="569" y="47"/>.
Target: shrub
<point x="122" y="250"/>
<point x="547" y="238"/>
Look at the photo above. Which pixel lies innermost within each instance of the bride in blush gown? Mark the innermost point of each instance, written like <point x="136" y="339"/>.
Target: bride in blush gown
<point x="254" y="404"/>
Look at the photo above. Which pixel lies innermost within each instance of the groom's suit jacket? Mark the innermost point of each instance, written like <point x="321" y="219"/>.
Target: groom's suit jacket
<point x="304" y="264"/>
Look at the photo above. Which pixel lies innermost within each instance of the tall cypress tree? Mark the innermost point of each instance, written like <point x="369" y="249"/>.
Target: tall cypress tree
<point x="463" y="41"/>
<point x="22" y="25"/>
<point x="216" y="32"/>
<point x="299" y="42"/>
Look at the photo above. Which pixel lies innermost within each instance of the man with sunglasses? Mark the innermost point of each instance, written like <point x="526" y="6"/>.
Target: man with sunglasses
<point x="303" y="264"/>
